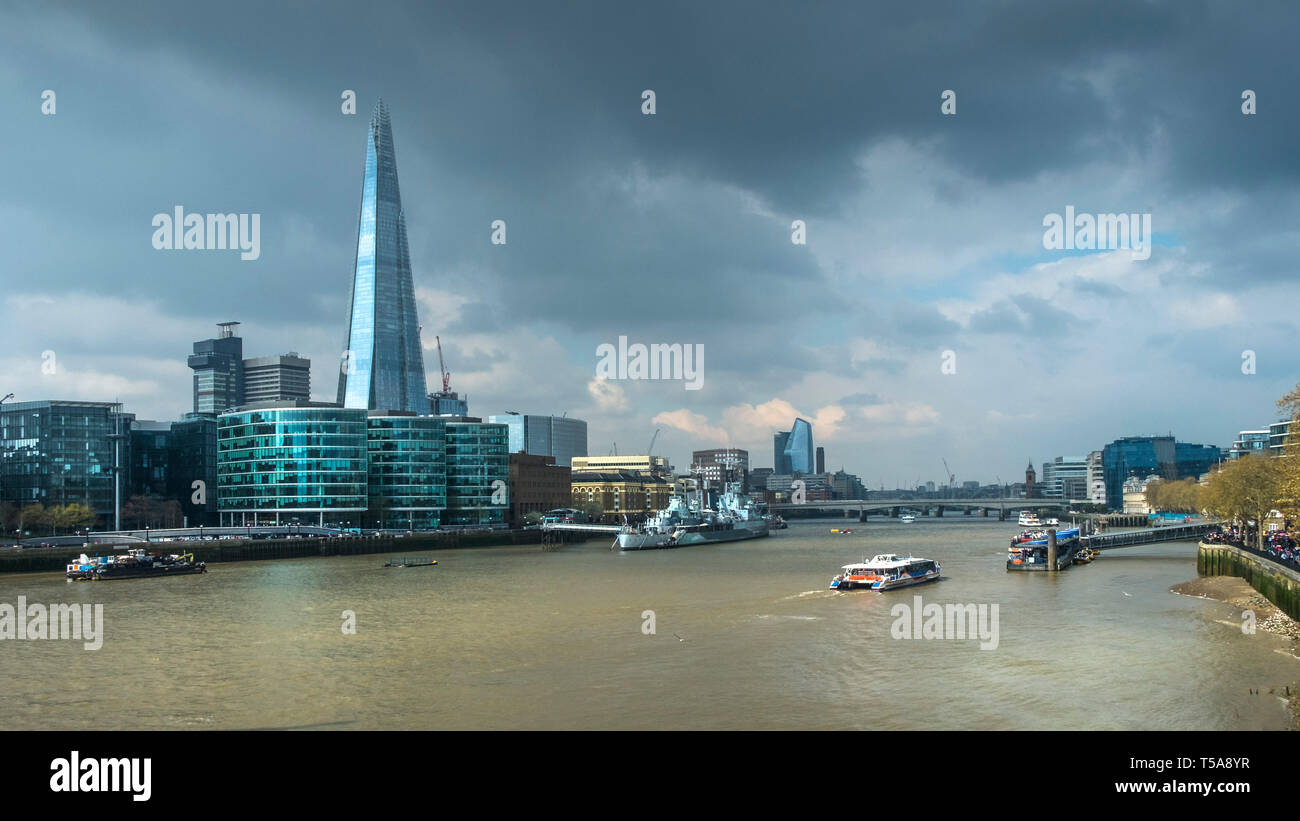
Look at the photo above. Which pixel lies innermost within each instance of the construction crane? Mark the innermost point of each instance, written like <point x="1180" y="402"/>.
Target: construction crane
<point x="650" y="450"/>
<point x="952" y="479"/>
<point x="446" y="377"/>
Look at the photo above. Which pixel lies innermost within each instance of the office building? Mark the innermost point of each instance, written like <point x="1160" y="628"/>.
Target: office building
<point x="1159" y="456"/>
<point x="821" y="460"/>
<point x="292" y="462"/>
<point x="286" y="377"/>
<point x="537" y="485"/>
<point x="654" y="465"/>
<point x="150" y="457"/>
<point x="478" y="473"/>
<point x="1065" y="477"/>
<point x="383" y="364"/>
<point x="218" y="366"/>
<point x="716" y="466"/>
<point x="192" y="467"/>
<point x="55" y="452"/>
<point x="1096" y="479"/>
<point x="406" y="470"/>
<point x="794" y="451"/>
<point x="559" y="437"/>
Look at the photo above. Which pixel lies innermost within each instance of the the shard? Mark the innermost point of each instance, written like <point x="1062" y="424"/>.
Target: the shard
<point x="383" y="365"/>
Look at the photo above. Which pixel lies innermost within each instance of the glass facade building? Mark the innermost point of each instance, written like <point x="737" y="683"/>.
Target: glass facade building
<point x="478" y="455"/>
<point x="407" y="470"/>
<point x="57" y="453"/>
<point x="193" y="458"/>
<point x="150" y="457"/>
<point x="799" y="451"/>
<point x="277" y="465"/>
<point x="384" y="363"/>
<point x="1065" y="477"/>
<point x="1142" y="456"/>
<point x="557" y="436"/>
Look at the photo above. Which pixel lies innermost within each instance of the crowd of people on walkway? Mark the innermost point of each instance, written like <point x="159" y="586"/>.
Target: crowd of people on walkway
<point x="1279" y="545"/>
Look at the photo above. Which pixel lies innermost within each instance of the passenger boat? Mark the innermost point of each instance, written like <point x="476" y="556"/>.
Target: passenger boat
<point x="886" y="571"/>
<point x="134" y="564"/>
<point x="840" y="530"/>
<point x="1053" y="522"/>
<point x="907" y="518"/>
<point x="1028" y="519"/>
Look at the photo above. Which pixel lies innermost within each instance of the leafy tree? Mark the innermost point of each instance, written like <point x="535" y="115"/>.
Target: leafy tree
<point x="32" y="517"/>
<point x="1246" y="489"/>
<point x="595" y="511"/>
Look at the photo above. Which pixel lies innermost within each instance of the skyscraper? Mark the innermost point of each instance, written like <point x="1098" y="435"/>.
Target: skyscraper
<point x="795" y="452"/>
<point x="383" y="365"/>
<point x="218" y="366"/>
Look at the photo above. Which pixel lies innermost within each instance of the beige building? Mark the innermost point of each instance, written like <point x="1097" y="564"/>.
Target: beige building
<point x="620" y="493"/>
<point x="656" y="465"/>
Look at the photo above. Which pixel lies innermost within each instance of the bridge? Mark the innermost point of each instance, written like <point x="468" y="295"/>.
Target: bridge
<point x="865" y="506"/>
<point x="1130" y="538"/>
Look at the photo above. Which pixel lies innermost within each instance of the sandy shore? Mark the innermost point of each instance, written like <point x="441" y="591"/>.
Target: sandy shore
<point x="1239" y="594"/>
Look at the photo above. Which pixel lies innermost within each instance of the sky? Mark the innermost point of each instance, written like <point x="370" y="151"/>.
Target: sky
<point x="923" y="318"/>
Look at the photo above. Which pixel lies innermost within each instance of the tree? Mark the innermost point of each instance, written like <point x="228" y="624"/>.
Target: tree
<point x="594" y="510"/>
<point x="532" y="518"/>
<point x="32" y="517"/>
<point x="1245" y="489"/>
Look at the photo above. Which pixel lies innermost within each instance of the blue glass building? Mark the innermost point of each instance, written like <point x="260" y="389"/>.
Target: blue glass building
<point x="478" y="455"/>
<point x="1142" y="456"/>
<point x="291" y="462"/>
<point x="383" y="366"/>
<point x="799" y="454"/>
<point x="407" y="470"/>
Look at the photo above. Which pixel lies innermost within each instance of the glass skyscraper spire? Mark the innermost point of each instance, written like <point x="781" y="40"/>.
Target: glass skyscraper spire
<point x="383" y="365"/>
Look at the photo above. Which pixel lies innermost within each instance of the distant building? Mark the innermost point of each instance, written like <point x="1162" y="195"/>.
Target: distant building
<point x="150" y="458"/>
<point x="448" y="403"/>
<point x="1065" y="477"/>
<point x="218" y="366"/>
<point x="794" y="451"/>
<point x="1248" y="443"/>
<point x="192" y="467"/>
<point x="1134" y="492"/>
<point x="1159" y="456"/>
<point x="634" y="494"/>
<point x="821" y="460"/>
<point x="559" y="437"/>
<point x="757" y="480"/>
<point x="478" y="456"/>
<point x="537" y="485"/>
<point x="276" y="378"/>
<point x="1277" y="435"/>
<point x="1096" y="478"/>
<point x="1031" y="488"/>
<point x="713" y="466"/>
<point x="655" y="465"/>
<point x="55" y="452"/>
<point x="847" y="486"/>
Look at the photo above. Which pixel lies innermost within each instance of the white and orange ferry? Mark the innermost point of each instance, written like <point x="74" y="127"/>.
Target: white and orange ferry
<point x="886" y="572"/>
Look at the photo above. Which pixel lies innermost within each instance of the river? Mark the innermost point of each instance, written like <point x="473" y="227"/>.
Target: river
<point x="747" y="636"/>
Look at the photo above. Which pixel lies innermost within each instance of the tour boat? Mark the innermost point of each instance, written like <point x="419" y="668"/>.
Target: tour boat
<point x="907" y="518"/>
<point x="1029" y="520"/>
<point x="886" y="572"/>
<point x="840" y="530"/>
